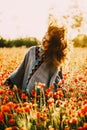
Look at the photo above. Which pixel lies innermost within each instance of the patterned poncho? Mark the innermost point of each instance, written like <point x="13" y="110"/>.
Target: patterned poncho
<point x="33" y="69"/>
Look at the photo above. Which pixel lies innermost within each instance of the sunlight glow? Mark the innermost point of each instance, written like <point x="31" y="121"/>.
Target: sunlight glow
<point x="22" y="18"/>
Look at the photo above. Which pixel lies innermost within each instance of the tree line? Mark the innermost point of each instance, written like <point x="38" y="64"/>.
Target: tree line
<point x="29" y="41"/>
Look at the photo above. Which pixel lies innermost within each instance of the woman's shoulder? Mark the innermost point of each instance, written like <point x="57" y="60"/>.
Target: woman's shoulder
<point x="31" y="49"/>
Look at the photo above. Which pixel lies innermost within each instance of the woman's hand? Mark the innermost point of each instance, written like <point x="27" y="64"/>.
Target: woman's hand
<point x="9" y="83"/>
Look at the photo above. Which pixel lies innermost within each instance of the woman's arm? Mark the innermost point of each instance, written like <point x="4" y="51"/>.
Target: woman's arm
<point x="16" y="78"/>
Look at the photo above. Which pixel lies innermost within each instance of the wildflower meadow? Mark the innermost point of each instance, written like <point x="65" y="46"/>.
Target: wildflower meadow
<point x="46" y="110"/>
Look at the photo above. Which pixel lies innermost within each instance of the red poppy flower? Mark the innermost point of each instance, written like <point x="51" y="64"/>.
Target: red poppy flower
<point x="14" y="128"/>
<point x="1" y="118"/>
<point x="42" y="85"/>
<point x="5" y="108"/>
<point x="38" y="115"/>
<point x="71" y="89"/>
<point x="11" y="105"/>
<point x="84" y="110"/>
<point x="2" y="91"/>
<point x="80" y="128"/>
<point x="24" y="96"/>
<point x="74" y="120"/>
<point x="27" y="109"/>
<point x="12" y="122"/>
<point x="85" y="125"/>
<point x="19" y="110"/>
<point x="33" y="93"/>
<point x="50" y="101"/>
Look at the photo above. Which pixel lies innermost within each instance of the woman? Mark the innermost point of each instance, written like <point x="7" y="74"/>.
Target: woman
<point x="41" y="63"/>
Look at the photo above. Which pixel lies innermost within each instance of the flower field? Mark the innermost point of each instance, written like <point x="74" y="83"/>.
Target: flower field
<point x="46" y="111"/>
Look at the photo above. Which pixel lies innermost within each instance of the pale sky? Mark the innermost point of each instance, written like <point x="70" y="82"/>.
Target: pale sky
<point x="22" y="18"/>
